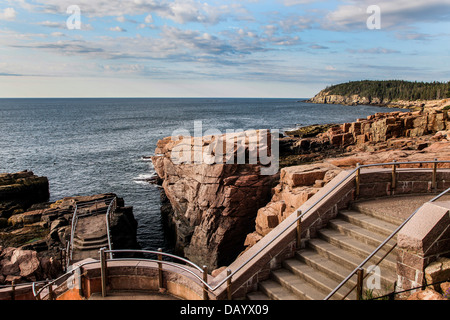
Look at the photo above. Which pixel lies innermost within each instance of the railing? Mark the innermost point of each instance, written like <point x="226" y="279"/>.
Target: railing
<point x="203" y="271"/>
<point x="48" y="285"/>
<point x="109" y="214"/>
<point x="355" y="173"/>
<point x="359" y="269"/>
<point x="76" y="214"/>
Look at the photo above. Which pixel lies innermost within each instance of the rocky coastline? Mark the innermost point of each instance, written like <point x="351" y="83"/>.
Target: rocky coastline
<point x="34" y="233"/>
<point x="325" y="97"/>
<point x="203" y="199"/>
<point x="210" y="207"/>
<point x="217" y="211"/>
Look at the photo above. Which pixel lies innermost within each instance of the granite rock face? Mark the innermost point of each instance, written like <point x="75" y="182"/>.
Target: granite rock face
<point x="214" y="205"/>
<point x="297" y="184"/>
<point x="18" y="191"/>
<point x="383" y="137"/>
<point x="324" y="97"/>
<point x="34" y="233"/>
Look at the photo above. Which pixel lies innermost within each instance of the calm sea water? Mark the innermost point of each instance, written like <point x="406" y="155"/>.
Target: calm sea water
<point x="89" y="146"/>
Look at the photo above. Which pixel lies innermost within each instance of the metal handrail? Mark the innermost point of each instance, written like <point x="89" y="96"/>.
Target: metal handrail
<point x="380" y="246"/>
<point x="352" y="172"/>
<point x="281" y="232"/>
<point x="52" y="282"/>
<point x="111" y="210"/>
<point x="192" y="264"/>
<point x="161" y="254"/>
<point x="76" y="215"/>
<point x="72" y="232"/>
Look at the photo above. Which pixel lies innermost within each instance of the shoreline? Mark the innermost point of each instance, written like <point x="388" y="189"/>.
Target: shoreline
<point x="355" y="100"/>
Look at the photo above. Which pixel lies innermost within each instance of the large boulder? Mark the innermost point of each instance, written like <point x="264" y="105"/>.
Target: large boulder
<point x="297" y="184"/>
<point x="214" y="202"/>
<point x="18" y="191"/>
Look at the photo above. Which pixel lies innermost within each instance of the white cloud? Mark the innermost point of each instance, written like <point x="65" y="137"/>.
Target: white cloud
<point x="148" y="19"/>
<point x="352" y="14"/>
<point x="117" y="29"/>
<point x="121" y="19"/>
<point x="52" y="24"/>
<point x="179" y="11"/>
<point x="377" y="50"/>
<point x="289" y="3"/>
<point x="8" y="14"/>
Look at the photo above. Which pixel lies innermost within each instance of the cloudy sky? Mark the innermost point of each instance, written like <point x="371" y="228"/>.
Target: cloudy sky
<point x="219" y="48"/>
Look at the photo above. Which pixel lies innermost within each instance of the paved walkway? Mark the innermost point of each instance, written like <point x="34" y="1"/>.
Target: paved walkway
<point x="400" y="207"/>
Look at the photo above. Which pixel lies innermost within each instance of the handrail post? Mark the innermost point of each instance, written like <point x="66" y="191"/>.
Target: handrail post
<point x="38" y="296"/>
<point x="357" y="179"/>
<point x="299" y="229"/>
<point x="13" y="290"/>
<point x="394" y="177"/>
<point x="160" y="270"/>
<point x="50" y="290"/>
<point x="434" y="176"/>
<point x="103" y="266"/>
<point x="360" y="283"/>
<point x="205" y="279"/>
<point x="229" y="294"/>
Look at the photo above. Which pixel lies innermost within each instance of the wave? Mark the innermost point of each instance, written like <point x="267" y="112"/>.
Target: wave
<point x="145" y="178"/>
<point x="146" y="158"/>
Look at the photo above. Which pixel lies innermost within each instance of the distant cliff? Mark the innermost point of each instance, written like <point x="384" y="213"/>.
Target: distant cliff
<point x="400" y="94"/>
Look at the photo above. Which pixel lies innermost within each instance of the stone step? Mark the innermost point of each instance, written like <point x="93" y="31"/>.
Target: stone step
<point x="275" y="291"/>
<point x="78" y="255"/>
<point x="348" y="260"/>
<point x="317" y="279"/>
<point x="370" y="211"/>
<point x="358" y="250"/>
<point x="361" y="234"/>
<point x="257" y="295"/>
<point x="334" y="270"/>
<point x="90" y="241"/>
<point x="298" y="286"/>
<point x="90" y="247"/>
<point x="367" y="222"/>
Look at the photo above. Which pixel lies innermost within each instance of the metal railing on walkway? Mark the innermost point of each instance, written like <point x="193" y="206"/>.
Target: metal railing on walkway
<point x="91" y="207"/>
<point x="359" y="270"/>
<point x="201" y="277"/>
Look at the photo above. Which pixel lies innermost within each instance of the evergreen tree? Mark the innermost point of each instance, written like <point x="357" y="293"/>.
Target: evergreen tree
<point x="393" y="89"/>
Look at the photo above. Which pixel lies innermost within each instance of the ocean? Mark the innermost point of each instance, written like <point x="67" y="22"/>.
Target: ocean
<point x="90" y="146"/>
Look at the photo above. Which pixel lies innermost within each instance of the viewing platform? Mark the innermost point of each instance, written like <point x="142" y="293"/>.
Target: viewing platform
<point x="369" y="216"/>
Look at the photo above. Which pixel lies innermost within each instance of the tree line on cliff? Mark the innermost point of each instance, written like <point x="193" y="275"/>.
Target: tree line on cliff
<point x="392" y="89"/>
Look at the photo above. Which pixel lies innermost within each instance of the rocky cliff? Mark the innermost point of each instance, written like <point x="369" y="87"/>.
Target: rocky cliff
<point x="325" y="97"/>
<point x="383" y="137"/>
<point x="18" y="191"/>
<point x="34" y="233"/>
<point x="214" y="205"/>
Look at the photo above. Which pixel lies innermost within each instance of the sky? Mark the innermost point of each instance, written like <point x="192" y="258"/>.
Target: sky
<point x="221" y="48"/>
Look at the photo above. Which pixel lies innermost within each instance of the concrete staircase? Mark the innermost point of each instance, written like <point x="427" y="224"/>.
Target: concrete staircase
<point x="328" y="259"/>
<point x="90" y="236"/>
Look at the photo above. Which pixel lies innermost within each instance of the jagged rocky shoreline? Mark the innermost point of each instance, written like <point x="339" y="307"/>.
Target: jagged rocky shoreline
<point x="34" y="233"/>
<point x="212" y="207"/>
<point x="217" y="211"/>
<point x="326" y="97"/>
